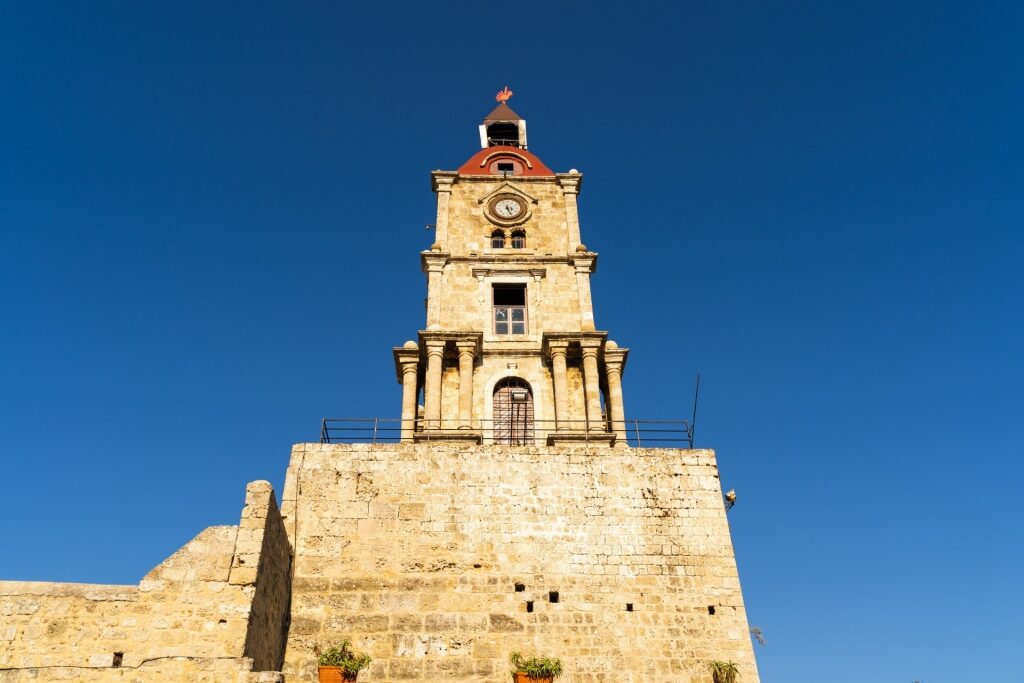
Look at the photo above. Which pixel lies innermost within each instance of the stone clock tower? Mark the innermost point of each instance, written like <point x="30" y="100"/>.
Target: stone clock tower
<point x="510" y="353"/>
<point x="512" y="512"/>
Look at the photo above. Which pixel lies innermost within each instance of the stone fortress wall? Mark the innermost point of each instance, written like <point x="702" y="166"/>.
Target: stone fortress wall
<point x="214" y="611"/>
<point x="430" y="557"/>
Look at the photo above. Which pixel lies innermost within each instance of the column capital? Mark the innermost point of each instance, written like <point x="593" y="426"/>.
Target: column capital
<point x="615" y="357"/>
<point x="557" y="347"/>
<point x="435" y="347"/>
<point x="466" y="348"/>
<point x="407" y="358"/>
<point x="442" y="181"/>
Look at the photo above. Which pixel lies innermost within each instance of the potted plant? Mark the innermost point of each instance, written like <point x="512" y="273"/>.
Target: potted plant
<point x="339" y="663"/>
<point x="724" y="672"/>
<point x="534" y="669"/>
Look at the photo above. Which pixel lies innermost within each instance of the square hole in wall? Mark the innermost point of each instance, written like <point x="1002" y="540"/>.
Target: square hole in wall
<point x="553" y="596"/>
<point x="520" y="588"/>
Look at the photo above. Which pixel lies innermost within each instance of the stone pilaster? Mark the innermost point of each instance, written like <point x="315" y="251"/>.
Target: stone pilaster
<point x="571" y="183"/>
<point x="433" y="263"/>
<point x="442" y="182"/>
<point x="584" y="263"/>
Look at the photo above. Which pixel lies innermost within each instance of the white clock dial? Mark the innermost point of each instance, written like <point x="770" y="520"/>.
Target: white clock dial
<point x="508" y="208"/>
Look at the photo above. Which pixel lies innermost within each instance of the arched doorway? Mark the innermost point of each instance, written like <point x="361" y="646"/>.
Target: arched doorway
<point x="513" y="412"/>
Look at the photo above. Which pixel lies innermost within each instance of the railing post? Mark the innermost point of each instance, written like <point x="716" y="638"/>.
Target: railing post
<point x="636" y="426"/>
<point x="375" y="430"/>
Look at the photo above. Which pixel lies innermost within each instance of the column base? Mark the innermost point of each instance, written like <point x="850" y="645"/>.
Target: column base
<point x="575" y="438"/>
<point x="460" y="435"/>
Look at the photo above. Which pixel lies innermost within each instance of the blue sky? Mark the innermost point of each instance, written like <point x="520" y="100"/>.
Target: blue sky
<point x="211" y="215"/>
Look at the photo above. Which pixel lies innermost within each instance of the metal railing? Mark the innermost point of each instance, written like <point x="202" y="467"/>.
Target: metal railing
<point x="638" y="433"/>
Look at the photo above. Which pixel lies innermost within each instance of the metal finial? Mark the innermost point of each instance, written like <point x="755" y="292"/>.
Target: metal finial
<point x="503" y="95"/>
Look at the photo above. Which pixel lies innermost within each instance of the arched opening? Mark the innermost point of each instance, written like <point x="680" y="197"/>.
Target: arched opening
<point x="503" y="133"/>
<point x="518" y="239"/>
<point x="498" y="239"/>
<point x="513" y="412"/>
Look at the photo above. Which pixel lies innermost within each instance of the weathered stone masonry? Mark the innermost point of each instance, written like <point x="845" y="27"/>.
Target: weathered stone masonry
<point x="213" y="611"/>
<point x="427" y="557"/>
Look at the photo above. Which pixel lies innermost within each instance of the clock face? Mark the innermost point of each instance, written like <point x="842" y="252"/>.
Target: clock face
<point x="507" y="208"/>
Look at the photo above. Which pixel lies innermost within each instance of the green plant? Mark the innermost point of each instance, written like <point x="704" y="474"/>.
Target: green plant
<point x="342" y="656"/>
<point x="724" y="672"/>
<point x="536" y="667"/>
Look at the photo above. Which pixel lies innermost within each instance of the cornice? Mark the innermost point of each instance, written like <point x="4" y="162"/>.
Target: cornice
<point x="530" y="272"/>
<point x="587" y="339"/>
<point x="571" y="183"/>
<point x="433" y="258"/>
<point x="443" y="179"/>
<point x="498" y="260"/>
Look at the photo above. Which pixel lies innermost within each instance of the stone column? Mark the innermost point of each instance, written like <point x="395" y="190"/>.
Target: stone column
<point x="614" y="358"/>
<point x="467" y="352"/>
<point x="410" y="371"/>
<point x="432" y="393"/>
<point x="592" y="387"/>
<point x="558" y="352"/>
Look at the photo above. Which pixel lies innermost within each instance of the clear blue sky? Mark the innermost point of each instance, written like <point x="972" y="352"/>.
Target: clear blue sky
<point x="211" y="215"/>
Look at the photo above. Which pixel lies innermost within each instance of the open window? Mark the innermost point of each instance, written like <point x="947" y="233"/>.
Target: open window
<point x="498" y="239"/>
<point x="518" y="239"/>
<point x="509" y="309"/>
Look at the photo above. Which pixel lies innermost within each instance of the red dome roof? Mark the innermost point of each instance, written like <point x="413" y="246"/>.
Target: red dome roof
<point x="482" y="162"/>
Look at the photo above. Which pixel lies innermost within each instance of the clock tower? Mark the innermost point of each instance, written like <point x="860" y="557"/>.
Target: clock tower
<point x="509" y="353"/>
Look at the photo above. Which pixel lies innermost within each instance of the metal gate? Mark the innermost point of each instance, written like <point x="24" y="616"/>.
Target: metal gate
<point x="513" y="412"/>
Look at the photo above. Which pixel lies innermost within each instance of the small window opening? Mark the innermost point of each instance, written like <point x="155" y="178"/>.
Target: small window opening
<point x="497" y="240"/>
<point x="520" y="588"/>
<point x="518" y="239"/>
<point x="529" y="605"/>
<point x="118" y="659"/>
<point x="477" y="566"/>
<point x="510" y="309"/>
<point x="506" y="167"/>
<point x="711" y="610"/>
<point x="553" y="596"/>
<point x="629" y="607"/>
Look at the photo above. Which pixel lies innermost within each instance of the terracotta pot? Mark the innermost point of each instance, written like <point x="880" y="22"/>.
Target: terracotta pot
<point x="333" y="674"/>
<point x="521" y="677"/>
